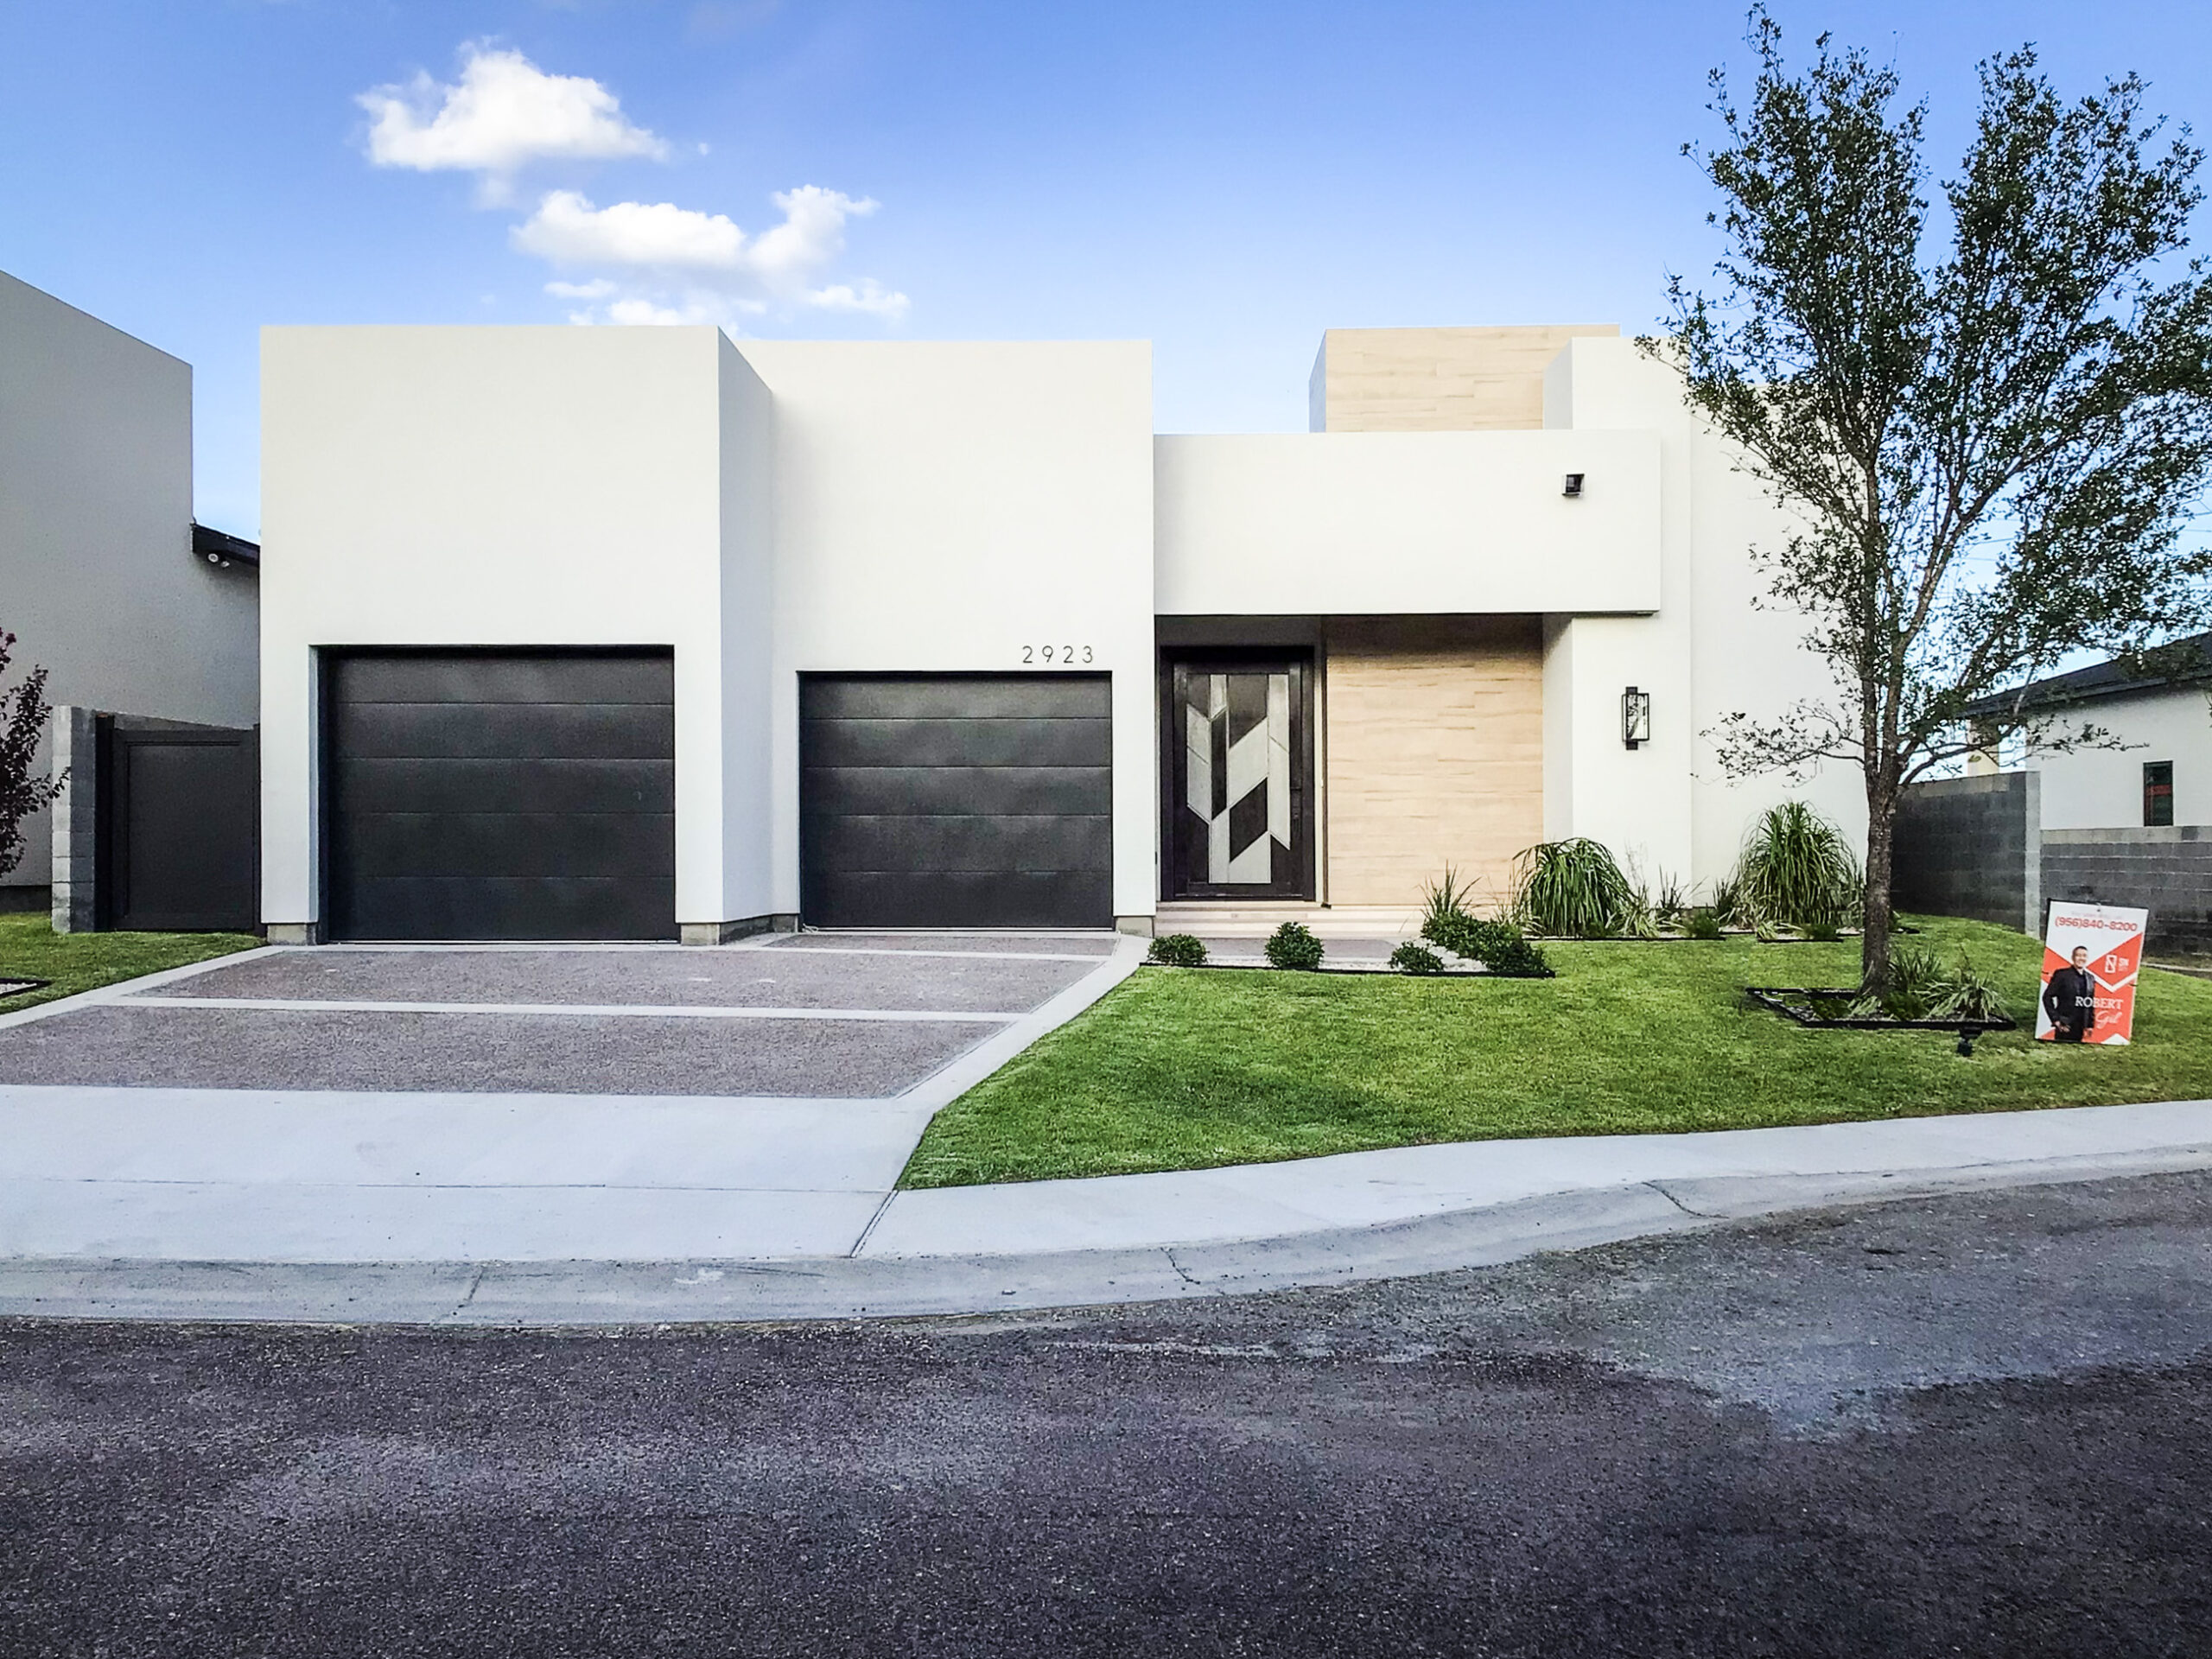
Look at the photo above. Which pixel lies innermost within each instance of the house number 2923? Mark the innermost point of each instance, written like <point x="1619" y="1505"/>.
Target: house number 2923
<point x="1059" y="656"/>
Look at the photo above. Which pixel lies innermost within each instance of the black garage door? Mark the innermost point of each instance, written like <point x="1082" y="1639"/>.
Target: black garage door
<point x="501" y="795"/>
<point x="955" y="801"/>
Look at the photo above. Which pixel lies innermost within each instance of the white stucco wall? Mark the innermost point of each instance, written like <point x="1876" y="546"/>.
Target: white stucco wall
<point x="509" y="487"/>
<point x="97" y="581"/>
<point x="2102" y="789"/>
<point x="960" y="507"/>
<point x="1716" y="645"/>
<point x="1406" y="523"/>
<point x="748" y="597"/>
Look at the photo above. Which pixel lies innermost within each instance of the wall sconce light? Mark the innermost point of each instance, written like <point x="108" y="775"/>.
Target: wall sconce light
<point x="1636" y="717"/>
<point x="1573" y="485"/>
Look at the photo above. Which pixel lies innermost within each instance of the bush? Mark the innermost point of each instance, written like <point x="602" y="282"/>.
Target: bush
<point x="1797" y="869"/>
<point x="1728" y="904"/>
<point x="1516" y="958"/>
<point x="1493" y="941"/>
<point x="1920" y="989"/>
<point x="1178" y="950"/>
<point x="1444" y="901"/>
<point x="1966" y="996"/>
<point x="1917" y="984"/>
<point x="1294" y="946"/>
<point x="1703" y="923"/>
<point x="1671" y="904"/>
<point x="1573" y="889"/>
<point x="1411" y="958"/>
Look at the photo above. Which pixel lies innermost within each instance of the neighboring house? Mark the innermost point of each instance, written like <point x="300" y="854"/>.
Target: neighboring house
<point x="104" y="580"/>
<point x="582" y="633"/>
<point x="2153" y="771"/>
<point x="2127" y="821"/>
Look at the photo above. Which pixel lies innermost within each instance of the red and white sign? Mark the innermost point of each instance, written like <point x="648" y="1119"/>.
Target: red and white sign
<point x="2091" y="956"/>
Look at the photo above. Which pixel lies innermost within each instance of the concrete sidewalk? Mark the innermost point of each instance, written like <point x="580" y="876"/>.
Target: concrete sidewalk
<point x="1369" y="1189"/>
<point x="1129" y="1239"/>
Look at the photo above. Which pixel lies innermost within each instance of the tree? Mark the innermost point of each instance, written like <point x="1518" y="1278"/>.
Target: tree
<point x="23" y="714"/>
<point x="1987" y="426"/>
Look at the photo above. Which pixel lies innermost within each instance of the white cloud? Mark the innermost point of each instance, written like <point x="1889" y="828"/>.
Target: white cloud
<point x="721" y="271"/>
<point x="503" y="114"/>
<point x="566" y="229"/>
<point x="867" y="295"/>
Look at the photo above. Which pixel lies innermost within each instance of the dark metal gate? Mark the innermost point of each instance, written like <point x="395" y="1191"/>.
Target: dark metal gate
<point x="179" y="829"/>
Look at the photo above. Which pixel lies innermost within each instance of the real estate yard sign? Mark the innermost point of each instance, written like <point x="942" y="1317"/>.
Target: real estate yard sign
<point x="2112" y="939"/>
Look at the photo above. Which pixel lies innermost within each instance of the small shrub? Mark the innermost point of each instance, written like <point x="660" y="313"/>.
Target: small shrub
<point x="1178" y="950"/>
<point x="1454" y="930"/>
<point x="1292" y="945"/>
<point x="1967" y="995"/>
<point x="1825" y="932"/>
<point x="1444" y="899"/>
<point x="1575" y="889"/>
<point x="1703" y="923"/>
<point x="1916" y="982"/>
<point x="1518" y="959"/>
<point x="1412" y="958"/>
<point x="1726" y="896"/>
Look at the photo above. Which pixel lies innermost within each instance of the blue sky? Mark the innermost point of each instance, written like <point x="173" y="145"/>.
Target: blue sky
<point x="1224" y="179"/>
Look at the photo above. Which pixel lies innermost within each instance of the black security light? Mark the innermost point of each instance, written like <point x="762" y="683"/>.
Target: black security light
<point x="1573" y="485"/>
<point x="1636" y="717"/>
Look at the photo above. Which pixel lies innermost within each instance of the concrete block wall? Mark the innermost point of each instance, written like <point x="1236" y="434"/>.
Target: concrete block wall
<point x="2166" y="871"/>
<point x="1973" y="846"/>
<point x="76" y="818"/>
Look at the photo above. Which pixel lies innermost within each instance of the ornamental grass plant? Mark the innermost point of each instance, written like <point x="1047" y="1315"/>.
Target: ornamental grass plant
<point x="1575" y="889"/>
<point x="1796" y="869"/>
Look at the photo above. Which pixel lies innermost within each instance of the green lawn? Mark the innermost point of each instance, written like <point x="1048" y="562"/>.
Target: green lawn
<point x="1187" y="1068"/>
<point x="30" y="949"/>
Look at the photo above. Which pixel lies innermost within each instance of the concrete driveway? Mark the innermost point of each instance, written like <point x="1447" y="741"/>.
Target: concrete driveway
<point x="811" y="1015"/>
<point x="383" y="1102"/>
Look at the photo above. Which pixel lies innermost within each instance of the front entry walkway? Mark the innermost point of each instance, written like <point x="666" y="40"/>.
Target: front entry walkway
<point x="519" y="1103"/>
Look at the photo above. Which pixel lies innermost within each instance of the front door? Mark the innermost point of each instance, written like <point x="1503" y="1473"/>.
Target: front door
<point x="1239" y="758"/>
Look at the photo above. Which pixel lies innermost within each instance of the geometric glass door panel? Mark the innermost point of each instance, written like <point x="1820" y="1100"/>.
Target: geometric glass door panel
<point x="1239" y="759"/>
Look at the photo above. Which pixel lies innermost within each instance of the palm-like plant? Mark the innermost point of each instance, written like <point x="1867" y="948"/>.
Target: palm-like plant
<point x="1575" y="889"/>
<point x="1796" y="868"/>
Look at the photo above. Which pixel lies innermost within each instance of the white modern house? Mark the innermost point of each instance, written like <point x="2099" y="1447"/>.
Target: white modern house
<point x="104" y="580"/>
<point x="574" y="634"/>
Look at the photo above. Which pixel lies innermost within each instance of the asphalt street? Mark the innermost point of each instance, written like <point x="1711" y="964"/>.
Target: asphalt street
<point x="1972" y="1424"/>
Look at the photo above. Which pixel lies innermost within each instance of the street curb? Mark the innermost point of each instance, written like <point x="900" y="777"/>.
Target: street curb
<point x="525" y="1295"/>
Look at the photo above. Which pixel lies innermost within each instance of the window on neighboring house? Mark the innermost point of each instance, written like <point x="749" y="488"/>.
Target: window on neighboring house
<point x="2157" y="792"/>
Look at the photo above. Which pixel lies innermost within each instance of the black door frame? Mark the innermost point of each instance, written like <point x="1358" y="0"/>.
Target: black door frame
<point x="1234" y="659"/>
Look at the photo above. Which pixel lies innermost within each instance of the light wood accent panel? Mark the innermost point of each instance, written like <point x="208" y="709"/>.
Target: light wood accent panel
<point x="1440" y="379"/>
<point x="1435" y="753"/>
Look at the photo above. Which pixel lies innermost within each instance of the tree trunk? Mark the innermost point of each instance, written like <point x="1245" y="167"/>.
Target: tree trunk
<point x="1881" y="828"/>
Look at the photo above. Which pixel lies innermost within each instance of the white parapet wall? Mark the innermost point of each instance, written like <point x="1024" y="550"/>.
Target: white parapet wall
<point x="1406" y="524"/>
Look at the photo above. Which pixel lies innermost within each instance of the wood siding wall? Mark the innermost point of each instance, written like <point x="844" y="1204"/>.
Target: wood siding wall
<point x="1438" y="380"/>
<point x="1435" y="753"/>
